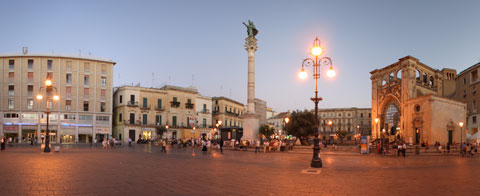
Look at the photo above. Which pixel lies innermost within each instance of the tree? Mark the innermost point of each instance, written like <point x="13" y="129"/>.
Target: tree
<point x="301" y="125"/>
<point x="341" y="135"/>
<point x="266" y="130"/>
<point x="161" y="130"/>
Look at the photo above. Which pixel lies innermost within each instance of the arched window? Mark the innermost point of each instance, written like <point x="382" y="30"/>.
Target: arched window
<point x="417" y="75"/>
<point x="391" y="77"/>
<point x="384" y="82"/>
<point x="399" y="74"/>
<point x="424" y="78"/>
<point x="431" y="81"/>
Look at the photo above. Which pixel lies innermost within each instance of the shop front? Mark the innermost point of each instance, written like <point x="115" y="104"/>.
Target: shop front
<point x="29" y="135"/>
<point x="85" y="134"/>
<point x="52" y="136"/>
<point x="102" y="133"/>
<point x="147" y="133"/>
<point x="11" y="133"/>
<point x="67" y="135"/>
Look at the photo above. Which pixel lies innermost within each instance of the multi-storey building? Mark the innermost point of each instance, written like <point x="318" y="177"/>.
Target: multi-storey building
<point x="230" y="112"/>
<point x="467" y="83"/>
<point x="139" y="110"/>
<point x="83" y="83"/>
<point x="278" y="122"/>
<point x="204" y="116"/>
<point x="353" y="121"/>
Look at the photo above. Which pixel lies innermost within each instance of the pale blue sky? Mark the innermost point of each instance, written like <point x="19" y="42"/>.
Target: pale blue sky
<point x="179" y="39"/>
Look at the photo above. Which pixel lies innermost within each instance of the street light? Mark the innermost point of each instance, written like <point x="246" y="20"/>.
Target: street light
<point x="316" y="62"/>
<point x="461" y="131"/>
<point x="286" y="120"/>
<point x="48" y="91"/>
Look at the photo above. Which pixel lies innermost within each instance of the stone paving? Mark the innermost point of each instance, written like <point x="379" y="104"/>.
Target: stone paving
<point x="143" y="170"/>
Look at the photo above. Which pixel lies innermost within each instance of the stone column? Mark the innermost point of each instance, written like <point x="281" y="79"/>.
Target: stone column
<point x="250" y="119"/>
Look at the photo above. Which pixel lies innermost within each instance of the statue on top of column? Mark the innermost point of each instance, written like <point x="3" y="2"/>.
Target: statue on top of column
<point x="251" y="29"/>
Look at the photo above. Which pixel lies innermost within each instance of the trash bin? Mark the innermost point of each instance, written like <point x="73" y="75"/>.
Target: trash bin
<point x="57" y="148"/>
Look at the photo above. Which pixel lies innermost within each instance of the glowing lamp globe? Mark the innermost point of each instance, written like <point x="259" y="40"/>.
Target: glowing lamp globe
<point x="302" y="74"/>
<point x="331" y="73"/>
<point x="48" y="82"/>
<point x="316" y="51"/>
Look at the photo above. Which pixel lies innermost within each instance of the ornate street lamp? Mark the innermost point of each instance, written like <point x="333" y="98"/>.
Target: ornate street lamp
<point x="48" y="93"/>
<point x="316" y="62"/>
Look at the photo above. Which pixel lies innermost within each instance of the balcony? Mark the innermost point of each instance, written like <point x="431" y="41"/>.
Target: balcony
<point x="132" y="103"/>
<point x="159" y="108"/>
<point x="205" y="111"/>
<point x="175" y="104"/>
<point x="145" y="107"/>
<point x="231" y="113"/>
<point x="189" y="105"/>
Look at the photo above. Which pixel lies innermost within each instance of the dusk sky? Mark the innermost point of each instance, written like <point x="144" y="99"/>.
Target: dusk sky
<point x="201" y="43"/>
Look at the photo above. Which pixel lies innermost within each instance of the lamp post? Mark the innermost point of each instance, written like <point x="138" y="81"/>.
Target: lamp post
<point x="316" y="62"/>
<point x="376" y="128"/>
<point x="286" y="120"/>
<point x="48" y="92"/>
<point x="461" y="131"/>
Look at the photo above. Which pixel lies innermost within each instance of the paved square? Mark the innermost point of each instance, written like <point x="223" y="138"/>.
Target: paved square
<point x="143" y="170"/>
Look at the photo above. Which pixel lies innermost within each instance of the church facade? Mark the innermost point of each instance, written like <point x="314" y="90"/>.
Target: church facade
<point x="415" y="103"/>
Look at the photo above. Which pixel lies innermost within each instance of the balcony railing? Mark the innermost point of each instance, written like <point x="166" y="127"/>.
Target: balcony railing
<point x="189" y="105"/>
<point x="175" y="104"/>
<point x="159" y="108"/>
<point x="206" y="111"/>
<point x="132" y="103"/>
<point x="145" y="107"/>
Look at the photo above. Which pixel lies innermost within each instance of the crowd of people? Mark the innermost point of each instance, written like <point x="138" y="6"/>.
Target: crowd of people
<point x="399" y="148"/>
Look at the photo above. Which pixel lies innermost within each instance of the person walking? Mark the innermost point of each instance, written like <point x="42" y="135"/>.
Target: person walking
<point x="164" y="146"/>
<point x="130" y="142"/>
<point x="257" y="146"/>
<point x="221" y="145"/>
<point x="2" y="143"/>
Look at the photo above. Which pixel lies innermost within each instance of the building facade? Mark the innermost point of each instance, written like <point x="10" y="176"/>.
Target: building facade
<point x="467" y="83"/>
<point x="204" y="116"/>
<point x="84" y="85"/>
<point x="230" y="112"/>
<point x="278" y="123"/>
<point x="413" y="102"/>
<point x="139" y="110"/>
<point x="353" y="121"/>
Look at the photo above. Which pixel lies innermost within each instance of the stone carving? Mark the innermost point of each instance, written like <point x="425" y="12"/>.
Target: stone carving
<point x="251" y="44"/>
<point x="394" y="90"/>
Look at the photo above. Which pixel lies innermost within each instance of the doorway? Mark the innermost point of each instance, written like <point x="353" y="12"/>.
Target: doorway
<point x="131" y="134"/>
<point x="417" y="136"/>
<point x="450" y="137"/>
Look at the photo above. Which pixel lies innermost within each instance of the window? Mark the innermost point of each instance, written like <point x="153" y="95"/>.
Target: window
<point x="11" y="77"/>
<point x="11" y="104"/>
<point x="474" y="105"/>
<point x="103" y="94"/>
<point x="174" y="121"/>
<point x="85" y="117"/>
<point x="369" y="115"/>
<point x="68" y="104"/>
<point x="29" y="116"/>
<point x="474" y="76"/>
<point x="132" y="99"/>
<point x="104" y="81"/>
<point x="120" y="117"/>
<point x="361" y="115"/>
<point x="30" y="63"/>
<point x="49" y="75"/>
<point x="69" y="66"/>
<point x="86" y="80"/>
<point x="474" y="119"/>
<point x="69" y="78"/>
<point x="11" y="64"/>
<point x="159" y="103"/>
<point x="102" y="118"/>
<point x="49" y="64"/>
<point x="132" y="118"/>
<point x="86" y="92"/>
<point x="69" y="116"/>
<point x="145" y="102"/>
<point x="29" y="104"/>
<point x="102" y="107"/>
<point x="464" y="94"/>
<point x="10" y="115"/>
<point x="86" y="67"/>
<point x="144" y="119"/>
<point x="204" y="124"/>
<point x="158" y="119"/>
<point x="30" y="77"/>
<point x="29" y="90"/>
<point x="85" y="106"/>
<point x="121" y="98"/>
<point x="464" y="80"/>
<point x="11" y="90"/>
<point x="68" y="91"/>
<point x="174" y="99"/>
